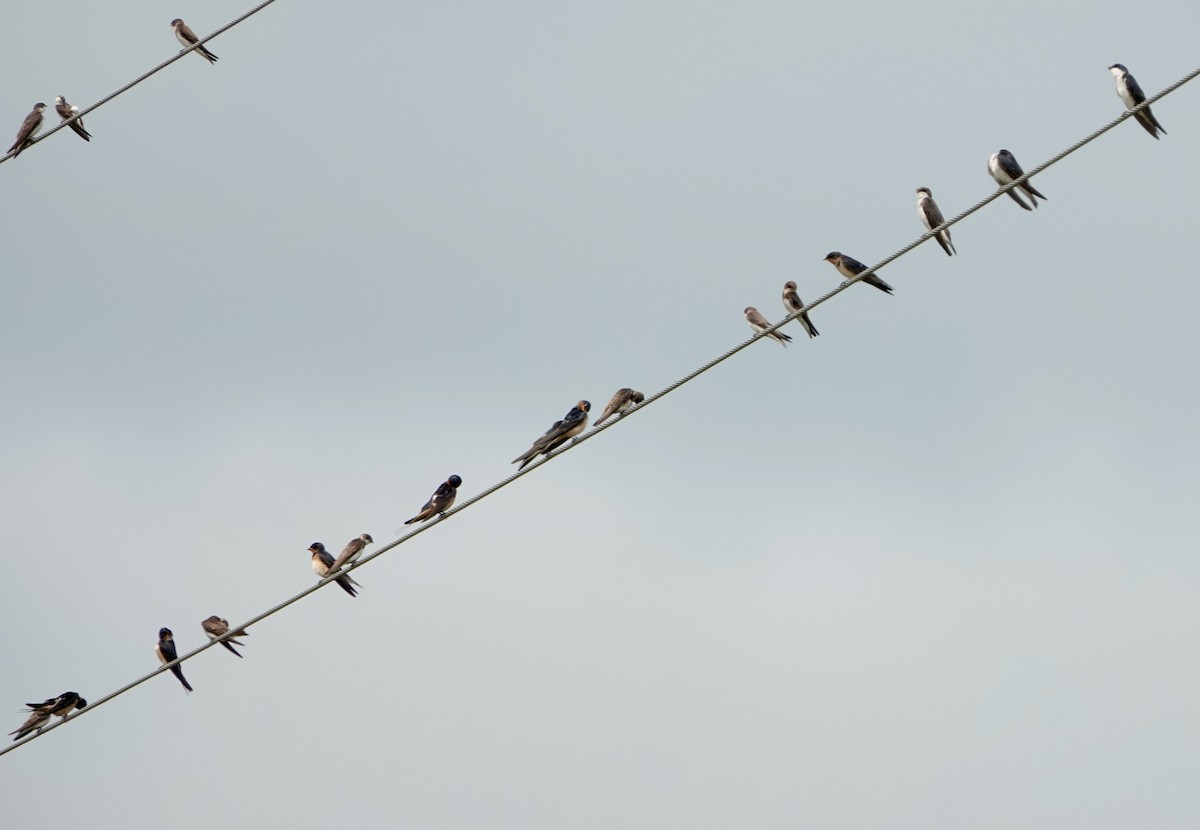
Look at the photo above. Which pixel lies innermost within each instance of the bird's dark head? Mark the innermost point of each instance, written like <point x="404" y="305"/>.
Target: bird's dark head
<point x="924" y="190"/>
<point x="1117" y="68"/>
<point x="176" y="22"/>
<point x="454" y="481"/>
<point x="366" y="537"/>
<point x="39" y="106"/>
<point x="584" y="406"/>
<point x="833" y="256"/>
<point x="165" y="634"/>
<point x="81" y="703"/>
<point x="790" y="285"/>
<point x="316" y="547"/>
<point x="637" y="397"/>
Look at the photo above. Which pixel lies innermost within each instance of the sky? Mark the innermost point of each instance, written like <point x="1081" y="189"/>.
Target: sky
<point x="934" y="568"/>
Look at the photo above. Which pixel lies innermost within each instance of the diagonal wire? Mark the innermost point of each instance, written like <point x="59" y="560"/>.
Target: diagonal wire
<point x="597" y="430"/>
<point x="43" y="136"/>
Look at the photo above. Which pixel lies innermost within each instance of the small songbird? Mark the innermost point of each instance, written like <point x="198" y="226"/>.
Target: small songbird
<point x="441" y="500"/>
<point x="322" y="565"/>
<point x="1132" y="95"/>
<point x="1005" y="170"/>
<point x="216" y="627"/>
<point x="352" y="551"/>
<point x="28" y="128"/>
<point x="572" y="424"/>
<point x="187" y="37"/>
<point x="66" y="111"/>
<point x="166" y="654"/>
<point x="622" y="401"/>
<point x="759" y="323"/>
<point x="931" y="217"/>
<point x="849" y="267"/>
<point x="793" y="303"/>
<point x="35" y="722"/>
<point x="66" y="703"/>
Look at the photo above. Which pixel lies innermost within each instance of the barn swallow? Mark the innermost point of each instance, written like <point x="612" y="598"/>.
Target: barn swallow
<point x="441" y="500"/>
<point x="28" y="127"/>
<point x="65" y="704"/>
<point x="1132" y="95"/>
<point x="622" y="401"/>
<point x="352" y="551"/>
<point x="572" y="424"/>
<point x="322" y="565"/>
<point x="931" y="217"/>
<point x="792" y="302"/>
<point x="850" y="267"/>
<point x="759" y="323"/>
<point x="65" y="111"/>
<point x="36" y="721"/>
<point x="188" y="38"/>
<point x="216" y="627"/>
<point x="1004" y="169"/>
<point x="166" y="653"/>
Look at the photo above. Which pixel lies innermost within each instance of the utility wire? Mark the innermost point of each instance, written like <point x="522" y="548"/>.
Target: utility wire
<point x="66" y="122"/>
<point x="597" y="430"/>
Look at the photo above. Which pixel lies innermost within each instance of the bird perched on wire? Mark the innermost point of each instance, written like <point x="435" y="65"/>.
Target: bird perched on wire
<point x="66" y="111"/>
<point x="572" y="424"/>
<point x="216" y="627"/>
<point x="931" y="217"/>
<point x="166" y="654"/>
<point x="63" y="705"/>
<point x="36" y="722"/>
<point x="793" y="303"/>
<point x="849" y="267"/>
<point x="1005" y="170"/>
<point x="623" y="400"/>
<point x="1132" y="95"/>
<point x="441" y="500"/>
<point x="188" y="38"/>
<point x="759" y="323"/>
<point x="29" y="128"/>
<point x="352" y="551"/>
<point x="322" y="565"/>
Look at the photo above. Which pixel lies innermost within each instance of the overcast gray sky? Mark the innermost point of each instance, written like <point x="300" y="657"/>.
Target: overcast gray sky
<point x="935" y="568"/>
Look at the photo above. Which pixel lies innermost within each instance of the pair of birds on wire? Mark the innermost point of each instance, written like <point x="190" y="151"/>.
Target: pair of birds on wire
<point x="65" y="110"/>
<point x="1004" y="169"/>
<point x="575" y="422"/>
<point x="41" y="713"/>
<point x="213" y="626"/>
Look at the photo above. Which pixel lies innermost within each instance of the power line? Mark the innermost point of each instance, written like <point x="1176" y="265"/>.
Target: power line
<point x="597" y="430"/>
<point x="43" y="136"/>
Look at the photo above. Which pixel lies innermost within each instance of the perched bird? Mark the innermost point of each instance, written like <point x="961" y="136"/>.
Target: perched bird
<point x="792" y="302"/>
<point x="1005" y="170"/>
<point x="352" y="551"/>
<point x="622" y="401"/>
<point x="850" y="267"/>
<point x="65" y="111"/>
<point x="188" y="38"/>
<point x="572" y="424"/>
<point x="216" y="627"/>
<point x="36" y="721"/>
<point x="759" y="323"/>
<point x="931" y="217"/>
<point x="441" y="500"/>
<point x="65" y="704"/>
<point x="322" y="564"/>
<point x="166" y="654"/>
<point x="29" y="126"/>
<point x="1132" y="95"/>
